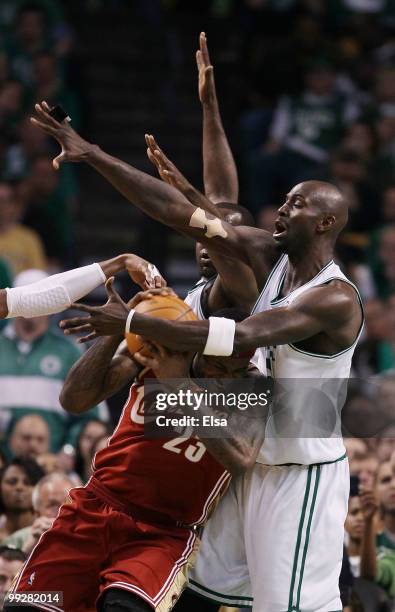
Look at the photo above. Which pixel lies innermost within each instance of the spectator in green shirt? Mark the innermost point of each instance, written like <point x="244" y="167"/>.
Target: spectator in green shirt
<point x="34" y="362"/>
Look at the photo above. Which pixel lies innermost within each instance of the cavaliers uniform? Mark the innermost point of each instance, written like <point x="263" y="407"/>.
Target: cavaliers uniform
<point x="133" y="526"/>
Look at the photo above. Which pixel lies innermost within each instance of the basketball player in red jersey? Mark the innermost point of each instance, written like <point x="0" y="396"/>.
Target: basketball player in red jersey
<point x="125" y="541"/>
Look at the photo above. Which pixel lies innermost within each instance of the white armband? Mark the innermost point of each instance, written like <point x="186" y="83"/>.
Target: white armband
<point x="53" y="294"/>
<point x="128" y="320"/>
<point x="220" y="337"/>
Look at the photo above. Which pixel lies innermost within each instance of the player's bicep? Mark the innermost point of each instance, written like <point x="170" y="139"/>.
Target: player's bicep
<point x="235" y="284"/>
<point x="121" y="372"/>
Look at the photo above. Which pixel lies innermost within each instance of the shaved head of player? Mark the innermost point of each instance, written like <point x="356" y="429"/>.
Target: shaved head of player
<point x="311" y="218"/>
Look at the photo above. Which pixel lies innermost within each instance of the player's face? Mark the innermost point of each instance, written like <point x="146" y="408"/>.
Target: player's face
<point x="205" y="265"/>
<point x="16" y="489"/>
<point x="223" y="367"/>
<point x="297" y="220"/>
<point x="386" y="487"/>
<point x="354" y="521"/>
<point x="8" y="570"/>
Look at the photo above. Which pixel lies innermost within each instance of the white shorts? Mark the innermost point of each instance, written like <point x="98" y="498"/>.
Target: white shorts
<point x="275" y="542"/>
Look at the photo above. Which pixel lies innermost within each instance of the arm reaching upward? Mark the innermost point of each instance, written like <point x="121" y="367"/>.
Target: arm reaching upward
<point x="170" y="174"/>
<point x="236" y="283"/>
<point x="156" y="198"/>
<point x="219" y="169"/>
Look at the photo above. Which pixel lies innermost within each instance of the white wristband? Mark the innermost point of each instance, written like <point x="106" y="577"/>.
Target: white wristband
<point x="220" y="337"/>
<point x="128" y="320"/>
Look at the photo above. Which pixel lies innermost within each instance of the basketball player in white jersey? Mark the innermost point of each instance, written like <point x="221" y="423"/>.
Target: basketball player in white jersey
<point x="312" y="325"/>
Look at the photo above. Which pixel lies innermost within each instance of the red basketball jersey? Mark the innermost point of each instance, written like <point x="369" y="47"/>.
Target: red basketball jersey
<point x="177" y="478"/>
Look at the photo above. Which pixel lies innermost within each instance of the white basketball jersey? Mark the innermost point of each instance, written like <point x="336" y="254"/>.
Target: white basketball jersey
<point x="194" y="297"/>
<point x="323" y="374"/>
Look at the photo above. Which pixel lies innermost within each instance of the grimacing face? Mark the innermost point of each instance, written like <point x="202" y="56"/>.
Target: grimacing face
<point x="297" y="219"/>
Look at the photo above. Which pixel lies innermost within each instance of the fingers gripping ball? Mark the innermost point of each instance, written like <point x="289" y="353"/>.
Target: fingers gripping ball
<point x="163" y="307"/>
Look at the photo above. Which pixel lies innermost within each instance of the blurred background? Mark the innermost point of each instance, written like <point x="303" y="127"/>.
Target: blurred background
<point x="306" y="90"/>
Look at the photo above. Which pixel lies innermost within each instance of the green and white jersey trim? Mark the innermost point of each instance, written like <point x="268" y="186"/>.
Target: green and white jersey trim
<point x="194" y="297"/>
<point x="303" y="537"/>
<point x="233" y="601"/>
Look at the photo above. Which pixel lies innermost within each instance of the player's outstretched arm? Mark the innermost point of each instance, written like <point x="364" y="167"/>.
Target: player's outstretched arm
<point x="219" y="169"/>
<point x="236" y="283"/>
<point x="154" y="197"/>
<point x="57" y="292"/>
<point x="333" y="310"/>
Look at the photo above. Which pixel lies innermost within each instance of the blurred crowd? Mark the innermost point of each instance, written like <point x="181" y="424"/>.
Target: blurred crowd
<point x="314" y="89"/>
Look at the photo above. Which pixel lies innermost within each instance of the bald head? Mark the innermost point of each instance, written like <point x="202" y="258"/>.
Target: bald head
<point x="329" y="201"/>
<point x="311" y="218"/>
<point x="236" y="215"/>
<point x="30" y="436"/>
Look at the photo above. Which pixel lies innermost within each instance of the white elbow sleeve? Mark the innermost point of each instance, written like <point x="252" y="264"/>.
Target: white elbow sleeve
<point x="53" y="294"/>
<point x="220" y="337"/>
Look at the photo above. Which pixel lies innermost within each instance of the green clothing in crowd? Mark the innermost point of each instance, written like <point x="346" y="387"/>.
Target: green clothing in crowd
<point x="31" y="378"/>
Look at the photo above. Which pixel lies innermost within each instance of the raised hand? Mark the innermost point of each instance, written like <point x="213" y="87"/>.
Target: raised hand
<point x="109" y="319"/>
<point x="166" y="169"/>
<point x="206" y="82"/>
<point x="74" y="148"/>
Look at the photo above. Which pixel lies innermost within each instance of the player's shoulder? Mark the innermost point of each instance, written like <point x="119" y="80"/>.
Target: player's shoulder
<point x="260" y="243"/>
<point x="338" y="299"/>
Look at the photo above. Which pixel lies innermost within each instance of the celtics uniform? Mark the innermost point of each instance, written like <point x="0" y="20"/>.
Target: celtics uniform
<point x="275" y="542"/>
<point x="31" y="378"/>
<point x="197" y="296"/>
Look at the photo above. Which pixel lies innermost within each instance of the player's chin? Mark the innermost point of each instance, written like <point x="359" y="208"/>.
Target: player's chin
<point x="281" y="240"/>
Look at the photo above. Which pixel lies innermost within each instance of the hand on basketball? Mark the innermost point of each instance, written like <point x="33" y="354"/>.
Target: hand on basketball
<point x="106" y="320"/>
<point x="74" y="148"/>
<point x="144" y="273"/>
<point x="168" y="172"/>
<point x="207" y="92"/>
<point x="164" y="363"/>
<point x="146" y="295"/>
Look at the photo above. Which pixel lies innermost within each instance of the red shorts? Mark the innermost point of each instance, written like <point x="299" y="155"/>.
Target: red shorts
<point x="93" y="547"/>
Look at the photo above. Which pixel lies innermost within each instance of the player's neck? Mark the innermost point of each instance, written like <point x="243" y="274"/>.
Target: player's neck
<point x="305" y="265"/>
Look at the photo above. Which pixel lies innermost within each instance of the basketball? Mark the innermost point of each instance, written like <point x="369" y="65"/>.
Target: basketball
<point x="163" y="307"/>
